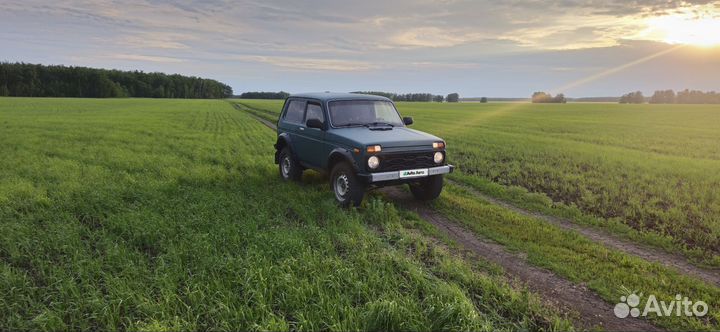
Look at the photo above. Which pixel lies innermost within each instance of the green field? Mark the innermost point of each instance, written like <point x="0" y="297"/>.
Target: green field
<point x="646" y="168"/>
<point x="170" y="214"/>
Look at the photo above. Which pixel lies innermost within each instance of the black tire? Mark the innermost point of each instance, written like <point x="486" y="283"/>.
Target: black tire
<point x="289" y="168"/>
<point x="428" y="188"/>
<point x="345" y="185"/>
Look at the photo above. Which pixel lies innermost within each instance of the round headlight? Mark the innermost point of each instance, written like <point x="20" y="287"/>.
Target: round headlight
<point x="373" y="162"/>
<point x="438" y="157"/>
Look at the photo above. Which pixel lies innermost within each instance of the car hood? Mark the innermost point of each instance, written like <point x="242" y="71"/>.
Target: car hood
<point x="397" y="137"/>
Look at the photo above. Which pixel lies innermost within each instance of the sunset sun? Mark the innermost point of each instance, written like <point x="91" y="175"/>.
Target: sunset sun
<point x="686" y="28"/>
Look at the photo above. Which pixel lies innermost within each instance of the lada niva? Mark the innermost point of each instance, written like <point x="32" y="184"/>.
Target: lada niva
<point x="361" y="142"/>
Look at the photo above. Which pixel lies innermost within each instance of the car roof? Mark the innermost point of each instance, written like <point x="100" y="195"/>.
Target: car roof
<point x="328" y="96"/>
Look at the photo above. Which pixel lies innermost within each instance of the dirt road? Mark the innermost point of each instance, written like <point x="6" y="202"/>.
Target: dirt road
<point x="559" y="292"/>
<point x="711" y="276"/>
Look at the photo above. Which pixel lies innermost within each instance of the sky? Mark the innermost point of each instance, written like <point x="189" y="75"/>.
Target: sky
<point x="476" y="48"/>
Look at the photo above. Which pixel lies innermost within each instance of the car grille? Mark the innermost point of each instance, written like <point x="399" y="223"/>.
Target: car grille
<point x="403" y="161"/>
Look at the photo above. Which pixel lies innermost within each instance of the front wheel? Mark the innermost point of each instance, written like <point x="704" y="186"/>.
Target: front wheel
<point x="428" y="188"/>
<point x="348" y="190"/>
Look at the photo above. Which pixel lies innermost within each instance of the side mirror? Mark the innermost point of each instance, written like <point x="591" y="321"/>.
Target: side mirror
<point x="408" y="120"/>
<point x="314" y="123"/>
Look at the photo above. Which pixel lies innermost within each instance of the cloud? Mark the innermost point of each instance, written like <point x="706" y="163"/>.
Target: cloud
<point x="402" y="45"/>
<point x="309" y="64"/>
<point x="433" y="37"/>
<point x="139" y="57"/>
<point x="154" y="40"/>
<point x="443" y="65"/>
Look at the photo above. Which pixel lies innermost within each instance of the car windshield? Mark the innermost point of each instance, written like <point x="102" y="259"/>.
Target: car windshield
<point x="347" y="113"/>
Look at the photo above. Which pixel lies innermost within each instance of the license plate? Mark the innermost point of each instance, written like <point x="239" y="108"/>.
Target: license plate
<point x="412" y="173"/>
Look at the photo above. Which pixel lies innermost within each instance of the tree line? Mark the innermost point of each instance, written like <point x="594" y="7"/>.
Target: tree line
<point x="670" y="97"/>
<point x="543" y="97"/>
<point x="632" y="98"/>
<point x="485" y="99"/>
<point x="34" y="80"/>
<point x="420" y="97"/>
<point x="685" y="97"/>
<point x="264" y="95"/>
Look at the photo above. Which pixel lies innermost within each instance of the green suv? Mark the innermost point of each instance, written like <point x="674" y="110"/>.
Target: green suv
<point x="361" y="141"/>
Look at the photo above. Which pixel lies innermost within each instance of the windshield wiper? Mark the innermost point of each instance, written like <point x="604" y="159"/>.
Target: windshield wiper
<point x="357" y="124"/>
<point x="353" y="124"/>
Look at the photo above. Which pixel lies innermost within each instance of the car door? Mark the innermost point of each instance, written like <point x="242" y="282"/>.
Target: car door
<point x="313" y="139"/>
<point x="292" y="123"/>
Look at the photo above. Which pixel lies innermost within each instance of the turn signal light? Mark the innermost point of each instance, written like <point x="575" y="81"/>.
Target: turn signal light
<point x="374" y="149"/>
<point x="438" y="145"/>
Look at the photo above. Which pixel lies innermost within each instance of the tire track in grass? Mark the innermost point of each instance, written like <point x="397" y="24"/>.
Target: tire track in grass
<point x="557" y="291"/>
<point x="263" y="121"/>
<point x="711" y="276"/>
<point x="553" y="289"/>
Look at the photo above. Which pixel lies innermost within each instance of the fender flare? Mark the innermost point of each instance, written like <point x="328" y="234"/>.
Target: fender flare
<point x="282" y="141"/>
<point x="341" y="154"/>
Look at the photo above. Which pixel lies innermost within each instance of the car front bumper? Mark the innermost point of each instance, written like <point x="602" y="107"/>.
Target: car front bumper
<point x="395" y="175"/>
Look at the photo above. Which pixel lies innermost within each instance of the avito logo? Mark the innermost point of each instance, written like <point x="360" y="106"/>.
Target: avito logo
<point x="630" y="306"/>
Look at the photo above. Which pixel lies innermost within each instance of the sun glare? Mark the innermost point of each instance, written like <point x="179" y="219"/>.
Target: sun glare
<point x="685" y="29"/>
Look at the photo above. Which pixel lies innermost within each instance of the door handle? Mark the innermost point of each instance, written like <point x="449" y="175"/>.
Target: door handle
<point x="301" y="128"/>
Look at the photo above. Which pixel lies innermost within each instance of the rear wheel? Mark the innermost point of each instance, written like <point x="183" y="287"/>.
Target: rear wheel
<point x="428" y="188"/>
<point x="289" y="167"/>
<point x="346" y="186"/>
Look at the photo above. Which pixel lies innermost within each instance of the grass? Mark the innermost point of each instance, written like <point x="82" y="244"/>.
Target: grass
<point x="609" y="273"/>
<point x="647" y="172"/>
<point x="647" y="166"/>
<point x="169" y="215"/>
<point x="264" y="109"/>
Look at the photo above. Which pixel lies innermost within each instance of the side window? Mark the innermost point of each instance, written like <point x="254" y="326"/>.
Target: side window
<point x="314" y="111"/>
<point x="295" y="111"/>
